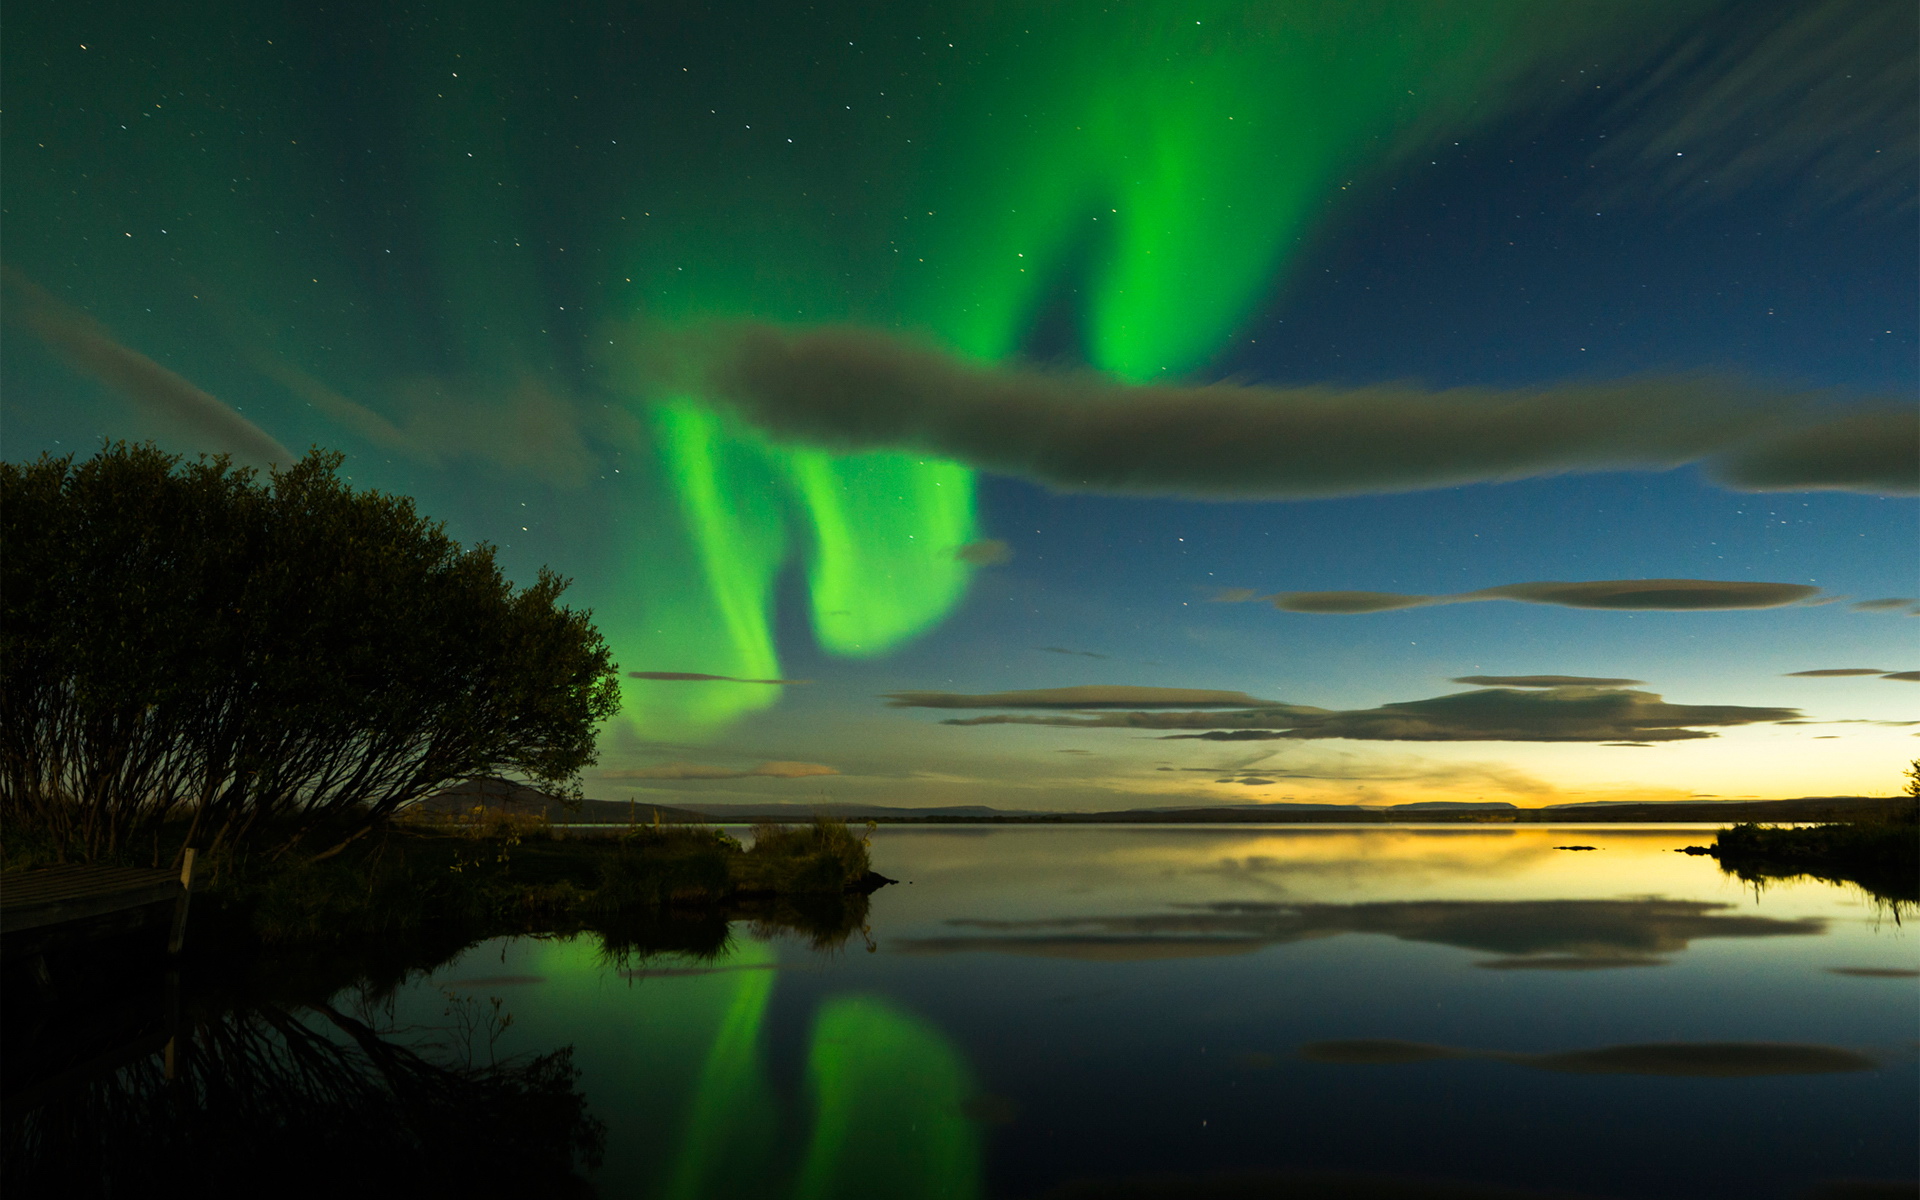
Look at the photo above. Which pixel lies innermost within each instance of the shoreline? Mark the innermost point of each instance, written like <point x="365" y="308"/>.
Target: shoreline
<point x="611" y="814"/>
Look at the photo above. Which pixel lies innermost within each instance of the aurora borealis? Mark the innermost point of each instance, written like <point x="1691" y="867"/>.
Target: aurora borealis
<point x="495" y="252"/>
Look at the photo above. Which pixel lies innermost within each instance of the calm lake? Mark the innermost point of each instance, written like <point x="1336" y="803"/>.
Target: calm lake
<point x="1037" y="1009"/>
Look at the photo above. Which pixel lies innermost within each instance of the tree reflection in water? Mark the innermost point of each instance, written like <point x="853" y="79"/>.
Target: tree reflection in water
<point x="272" y="1100"/>
<point x="286" y="1075"/>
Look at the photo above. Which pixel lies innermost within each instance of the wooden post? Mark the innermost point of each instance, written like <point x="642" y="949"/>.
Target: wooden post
<point x="179" y="934"/>
<point x="172" y="1054"/>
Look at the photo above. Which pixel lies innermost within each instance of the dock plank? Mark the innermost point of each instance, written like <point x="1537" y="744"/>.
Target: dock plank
<point x="55" y="895"/>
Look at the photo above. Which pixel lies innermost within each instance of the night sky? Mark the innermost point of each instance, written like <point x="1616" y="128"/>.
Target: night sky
<point x="1452" y="401"/>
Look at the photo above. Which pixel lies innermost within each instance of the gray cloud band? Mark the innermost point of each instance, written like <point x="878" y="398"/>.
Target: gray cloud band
<point x="857" y="389"/>
<point x="1091" y="696"/>
<point x="1641" y="595"/>
<point x="1570" y="714"/>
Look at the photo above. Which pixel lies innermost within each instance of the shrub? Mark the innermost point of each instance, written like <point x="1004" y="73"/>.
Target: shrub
<point x="654" y="866"/>
<point x="289" y="653"/>
<point x="824" y="856"/>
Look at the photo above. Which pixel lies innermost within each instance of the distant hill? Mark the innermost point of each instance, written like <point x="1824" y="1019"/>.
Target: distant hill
<point x="517" y="797"/>
<point x="1453" y="806"/>
<point x="1812" y="808"/>
<point x="800" y="811"/>
<point x="491" y="792"/>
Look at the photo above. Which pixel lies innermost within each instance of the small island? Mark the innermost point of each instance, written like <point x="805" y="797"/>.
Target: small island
<point x="1879" y="853"/>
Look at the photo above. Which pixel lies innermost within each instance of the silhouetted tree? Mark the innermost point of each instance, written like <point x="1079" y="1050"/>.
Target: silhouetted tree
<point x="277" y="658"/>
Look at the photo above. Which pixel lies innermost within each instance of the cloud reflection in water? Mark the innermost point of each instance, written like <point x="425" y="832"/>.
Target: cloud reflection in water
<point x="1536" y="934"/>
<point x="1731" y="1060"/>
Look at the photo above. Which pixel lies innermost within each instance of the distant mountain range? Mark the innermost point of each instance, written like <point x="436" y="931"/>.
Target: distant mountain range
<point x="516" y="797"/>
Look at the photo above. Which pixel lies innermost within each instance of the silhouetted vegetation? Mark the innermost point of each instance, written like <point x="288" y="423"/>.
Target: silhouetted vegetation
<point x="283" y="663"/>
<point x="1879" y="853"/>
<point x="491" y="873"/>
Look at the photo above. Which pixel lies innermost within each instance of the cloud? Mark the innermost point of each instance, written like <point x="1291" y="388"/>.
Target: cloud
<point x="1904" y="676"/>
<point x="688" y="770"/>
<point x="1544" y="681"/>
<point x="1814" y="96"/>
<point x="1064" y="650"/>
<point x="1869" y="452"/>
<point x="1320" y="764"/>
<point x="87" y="346"/>
<point x="1726" y="1060"/>
<point x="987" y="552"/>
<point x="1094" y="696"/>
<point x="1887" y="604"/>
<point x="858" y="389"/>
<point x="1562" y="714"/>
<point x="1352" y="602"/>
<point x="1860" y="720"/>
<point x="1624" y="932"/>
<point x="1232" y="596"/>
<point x="528" y="426"/>
<point x="1834" y="672"/>
<point x="1292" y="1185"/>
<point x="1568" y="962"/>
<point x="1640" y="595"/>
<point x="695" y="677"/>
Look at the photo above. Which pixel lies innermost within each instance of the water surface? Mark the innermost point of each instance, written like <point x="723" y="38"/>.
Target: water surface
<point x="1038" y="1006"/>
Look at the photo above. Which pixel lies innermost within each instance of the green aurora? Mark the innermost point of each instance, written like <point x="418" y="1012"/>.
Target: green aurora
<point x="460" y="255"/>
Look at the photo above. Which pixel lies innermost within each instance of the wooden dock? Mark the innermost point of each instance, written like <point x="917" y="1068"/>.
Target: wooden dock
<point x="54" y="905"/>
<point x="89" y="974"/>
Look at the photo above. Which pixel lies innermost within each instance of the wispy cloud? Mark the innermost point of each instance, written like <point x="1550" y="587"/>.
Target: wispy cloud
<point x="1736" y="1060"/>
<point x="528" y="426"/>
<point x="696" y="677"/>
<point x="987" y="552"/>
<point x="1835" y="672"/>
<point x="1814" y="97"/>
<point x="1887" y="604"/>
<point x="1545" y="681"/>
<point x="690" y="770"/>
<point x="197" y="416"/>
<point x="1093" y="696"/>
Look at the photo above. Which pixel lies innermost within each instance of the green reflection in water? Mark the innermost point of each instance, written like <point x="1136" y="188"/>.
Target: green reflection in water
<point x="675" y="1059"/>
<point x="723" y="1149"/>
<point x="888" y="1090"/>
<point x="673" y="1063"/>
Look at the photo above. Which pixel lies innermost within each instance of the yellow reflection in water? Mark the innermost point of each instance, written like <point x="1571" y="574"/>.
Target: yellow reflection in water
<point x="1016" y="872"/>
